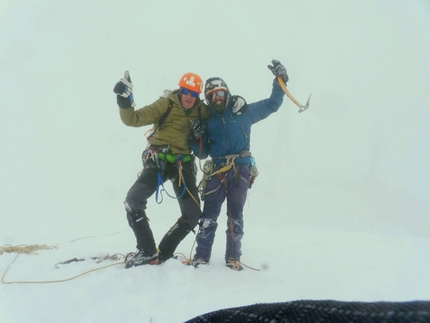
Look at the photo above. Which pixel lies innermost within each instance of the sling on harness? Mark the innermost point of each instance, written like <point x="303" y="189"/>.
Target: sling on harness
<point x="209" y="165"/>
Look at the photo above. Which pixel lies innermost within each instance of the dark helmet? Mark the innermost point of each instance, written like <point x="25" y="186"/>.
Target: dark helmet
<point x="213" y="85"/>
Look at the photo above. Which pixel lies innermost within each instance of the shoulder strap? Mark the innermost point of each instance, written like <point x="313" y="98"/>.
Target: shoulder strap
<point x="163" y="117"/>
<point x="200" y="113"/>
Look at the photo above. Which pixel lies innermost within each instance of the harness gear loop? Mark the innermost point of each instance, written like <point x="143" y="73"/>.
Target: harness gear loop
<point x="160" y="182"/>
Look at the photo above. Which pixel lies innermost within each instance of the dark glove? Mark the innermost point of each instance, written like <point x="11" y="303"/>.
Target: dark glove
<point x="124" y="92"/>
<point x="197" y="129"/>
<point x="278" y="70"/>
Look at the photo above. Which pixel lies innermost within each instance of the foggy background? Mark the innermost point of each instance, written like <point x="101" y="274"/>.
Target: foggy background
<point x="357" y="160"/>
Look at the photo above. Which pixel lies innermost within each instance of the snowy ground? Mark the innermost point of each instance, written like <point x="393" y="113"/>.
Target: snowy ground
<point x="294" y="264"/>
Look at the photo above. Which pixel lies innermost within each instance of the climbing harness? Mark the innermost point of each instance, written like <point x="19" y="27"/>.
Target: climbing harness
<point x="159" y="157"/>
<point x="226" y="166"/>
<point x="153" y="154"/>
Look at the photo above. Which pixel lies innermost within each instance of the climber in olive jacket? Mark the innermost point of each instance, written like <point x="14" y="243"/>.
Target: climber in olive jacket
<point x="175" y="129"/>
<point x="167" y="157"/>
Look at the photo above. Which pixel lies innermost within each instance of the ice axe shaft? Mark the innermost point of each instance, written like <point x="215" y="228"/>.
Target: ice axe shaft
<point x="284" y="88"/>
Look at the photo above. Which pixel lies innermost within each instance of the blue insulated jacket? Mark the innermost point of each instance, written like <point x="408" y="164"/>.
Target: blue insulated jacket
<point x="230" y="133"/>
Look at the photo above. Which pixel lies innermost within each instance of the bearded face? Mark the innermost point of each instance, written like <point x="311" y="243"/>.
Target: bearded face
<point x="216" y="93"/>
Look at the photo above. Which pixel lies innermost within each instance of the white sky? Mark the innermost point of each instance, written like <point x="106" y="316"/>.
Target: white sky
<point x="356" y="160"/>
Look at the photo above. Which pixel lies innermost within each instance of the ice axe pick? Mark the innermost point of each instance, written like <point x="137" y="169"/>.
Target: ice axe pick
<point x="284" y="88"/>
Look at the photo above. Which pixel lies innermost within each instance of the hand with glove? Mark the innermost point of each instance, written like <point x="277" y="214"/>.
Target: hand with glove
<point x="240" y="106"/>
<point x="197" y="129"/>
<point x="278" y="70"/>
<point x="124" y="92"/>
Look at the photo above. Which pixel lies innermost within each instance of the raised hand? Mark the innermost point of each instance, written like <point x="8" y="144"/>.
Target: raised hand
<point x="124" y="92"/>
<point x="278" y="70"/>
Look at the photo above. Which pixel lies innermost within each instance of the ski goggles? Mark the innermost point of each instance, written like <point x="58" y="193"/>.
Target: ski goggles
<point x="221" y="94"/>
<point x="187" y="91"/>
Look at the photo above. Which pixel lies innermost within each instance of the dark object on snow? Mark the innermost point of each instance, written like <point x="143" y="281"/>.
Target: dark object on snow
<point x="327" y="311"/>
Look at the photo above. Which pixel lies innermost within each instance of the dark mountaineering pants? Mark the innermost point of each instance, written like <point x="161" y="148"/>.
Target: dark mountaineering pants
<point x="236" y="197"/>
<point x="144" y="188"/>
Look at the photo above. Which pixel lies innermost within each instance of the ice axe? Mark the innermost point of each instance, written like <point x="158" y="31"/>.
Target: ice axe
<point x="284" y="88"/>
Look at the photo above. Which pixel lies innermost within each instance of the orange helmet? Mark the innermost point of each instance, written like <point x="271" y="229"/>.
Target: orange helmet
<point x="191" y="82"/>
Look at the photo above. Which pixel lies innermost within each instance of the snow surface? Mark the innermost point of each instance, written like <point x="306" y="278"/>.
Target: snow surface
<point x="340" y="209"/>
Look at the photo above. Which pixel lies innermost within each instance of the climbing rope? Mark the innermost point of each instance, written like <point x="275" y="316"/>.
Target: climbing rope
<point x="33" y="248"/>
<point x="24" y="248"/>
<point x="226" y="168"/>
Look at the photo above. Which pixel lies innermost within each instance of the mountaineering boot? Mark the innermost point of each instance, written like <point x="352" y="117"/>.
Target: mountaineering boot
<point x="142" y="258"/>
<point x="198" y="262"/>
<point x="170" y="241"/>
<point x="234" y="264"/>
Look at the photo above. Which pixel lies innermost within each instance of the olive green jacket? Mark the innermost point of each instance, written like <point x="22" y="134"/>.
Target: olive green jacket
<point x="175" y="130"/>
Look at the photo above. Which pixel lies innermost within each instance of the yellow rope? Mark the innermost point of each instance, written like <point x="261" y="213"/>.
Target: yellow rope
<point x="223" y="169"/>
<point x="24" y="248"/>
<point x="181" y="179"/>
<point x="180" y="174"/>
<point x="31" y="249"/>
<point x="192" y="196"/>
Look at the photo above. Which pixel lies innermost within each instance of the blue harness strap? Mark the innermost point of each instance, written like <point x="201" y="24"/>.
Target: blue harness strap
<point x="160" y="183"/>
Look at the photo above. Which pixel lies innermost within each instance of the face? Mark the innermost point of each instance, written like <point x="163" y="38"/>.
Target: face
<point x="188" y="98"/>
<point x="217" y="98"/>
